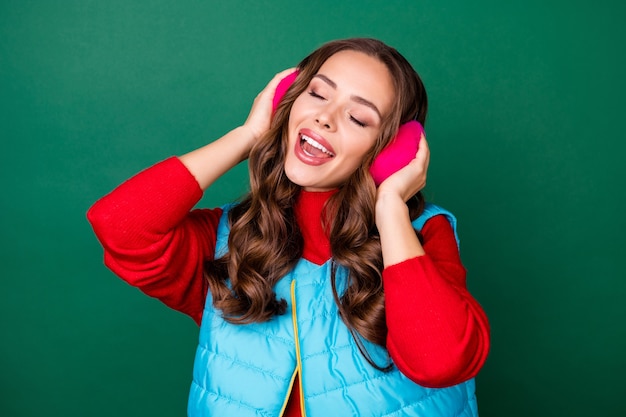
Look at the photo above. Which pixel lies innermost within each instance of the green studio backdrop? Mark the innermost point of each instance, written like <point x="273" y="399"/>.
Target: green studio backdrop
<point x="526" y="134"/>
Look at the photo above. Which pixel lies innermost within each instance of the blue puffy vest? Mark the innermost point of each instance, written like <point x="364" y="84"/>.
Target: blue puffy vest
<point x="249" y="370"/>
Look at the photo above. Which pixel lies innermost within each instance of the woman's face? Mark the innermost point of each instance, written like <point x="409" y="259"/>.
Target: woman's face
<point x="337" y="119"/>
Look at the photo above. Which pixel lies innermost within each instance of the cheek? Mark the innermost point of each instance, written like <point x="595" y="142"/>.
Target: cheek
<point x="359" y="147"/>
<point x="297" y="109"/>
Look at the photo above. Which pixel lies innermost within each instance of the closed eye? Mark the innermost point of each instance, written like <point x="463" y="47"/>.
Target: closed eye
<point x="315" y="95"/>
<point x="357" y="121"/>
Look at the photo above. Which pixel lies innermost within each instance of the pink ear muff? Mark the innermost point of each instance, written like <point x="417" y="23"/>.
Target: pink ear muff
<point x="400" y="151"/>
<point x="282" y="88"/>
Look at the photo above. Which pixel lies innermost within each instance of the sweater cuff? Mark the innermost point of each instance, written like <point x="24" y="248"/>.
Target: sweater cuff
<point x="172" y="184"/>
<point x="155" y="199"/>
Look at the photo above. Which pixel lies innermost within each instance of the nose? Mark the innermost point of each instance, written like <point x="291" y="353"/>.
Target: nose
<point x="325" y="118"/>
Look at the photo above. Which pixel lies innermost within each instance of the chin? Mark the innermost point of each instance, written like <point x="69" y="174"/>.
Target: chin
<point x="299" y="180"/>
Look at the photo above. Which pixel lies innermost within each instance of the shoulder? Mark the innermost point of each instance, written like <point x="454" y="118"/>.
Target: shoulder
<point x="434" y="218"/>
<point x="433" y="210"/>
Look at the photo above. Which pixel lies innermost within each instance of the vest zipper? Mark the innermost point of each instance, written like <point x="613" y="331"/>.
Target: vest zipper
<point x="297" y="340"/>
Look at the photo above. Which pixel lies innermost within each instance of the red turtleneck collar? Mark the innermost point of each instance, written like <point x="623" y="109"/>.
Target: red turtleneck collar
<point x="308" y="211"/>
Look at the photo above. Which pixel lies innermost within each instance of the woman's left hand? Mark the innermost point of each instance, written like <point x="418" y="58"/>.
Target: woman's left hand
<point x="397" y="237"/>
<point x="407" y="181"/>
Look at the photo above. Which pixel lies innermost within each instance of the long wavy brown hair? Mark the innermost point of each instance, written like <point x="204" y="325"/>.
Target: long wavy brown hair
<point x="265" y="242"/>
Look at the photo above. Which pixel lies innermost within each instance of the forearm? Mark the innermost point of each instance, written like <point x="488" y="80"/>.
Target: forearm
<point x="211" y="161"/>
<point x="398" y="239"/>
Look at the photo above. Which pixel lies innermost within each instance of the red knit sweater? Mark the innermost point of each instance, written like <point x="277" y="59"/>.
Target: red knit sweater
<point x="438" y="334"/>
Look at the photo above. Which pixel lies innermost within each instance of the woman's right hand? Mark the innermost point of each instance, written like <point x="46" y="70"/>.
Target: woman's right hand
<point x="260" y="116"/>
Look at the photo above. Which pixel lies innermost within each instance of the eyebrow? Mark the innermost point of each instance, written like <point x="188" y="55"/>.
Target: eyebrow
<point x="357" y="99"/>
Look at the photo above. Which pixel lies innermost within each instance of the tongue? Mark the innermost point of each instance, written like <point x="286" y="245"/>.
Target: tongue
<point x="313" y="151"/>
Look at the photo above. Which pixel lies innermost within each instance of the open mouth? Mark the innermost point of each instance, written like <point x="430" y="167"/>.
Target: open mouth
<point x="313" y="148"/>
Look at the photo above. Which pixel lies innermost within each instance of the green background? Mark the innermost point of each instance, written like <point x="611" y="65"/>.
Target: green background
<point x="525" y="128"/>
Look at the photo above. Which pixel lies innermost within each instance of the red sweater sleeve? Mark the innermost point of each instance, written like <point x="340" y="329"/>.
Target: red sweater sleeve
<point x="438" y="334"/>
<point x="153" y="240"/>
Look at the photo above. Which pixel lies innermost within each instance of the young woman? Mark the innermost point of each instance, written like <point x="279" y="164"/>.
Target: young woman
<point x="319" y="293"/>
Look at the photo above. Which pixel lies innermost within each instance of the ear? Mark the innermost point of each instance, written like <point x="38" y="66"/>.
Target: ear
<point x="282" y="88"/>
<point x="400" y="151"/>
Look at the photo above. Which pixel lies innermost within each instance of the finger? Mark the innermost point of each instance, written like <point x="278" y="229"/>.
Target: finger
<point x="285" y="73"/>
<point x="423" y="145"/>
<point x="423" y="151"/>
<point x="270" y="89"/>
<point x="271" y="86"/>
